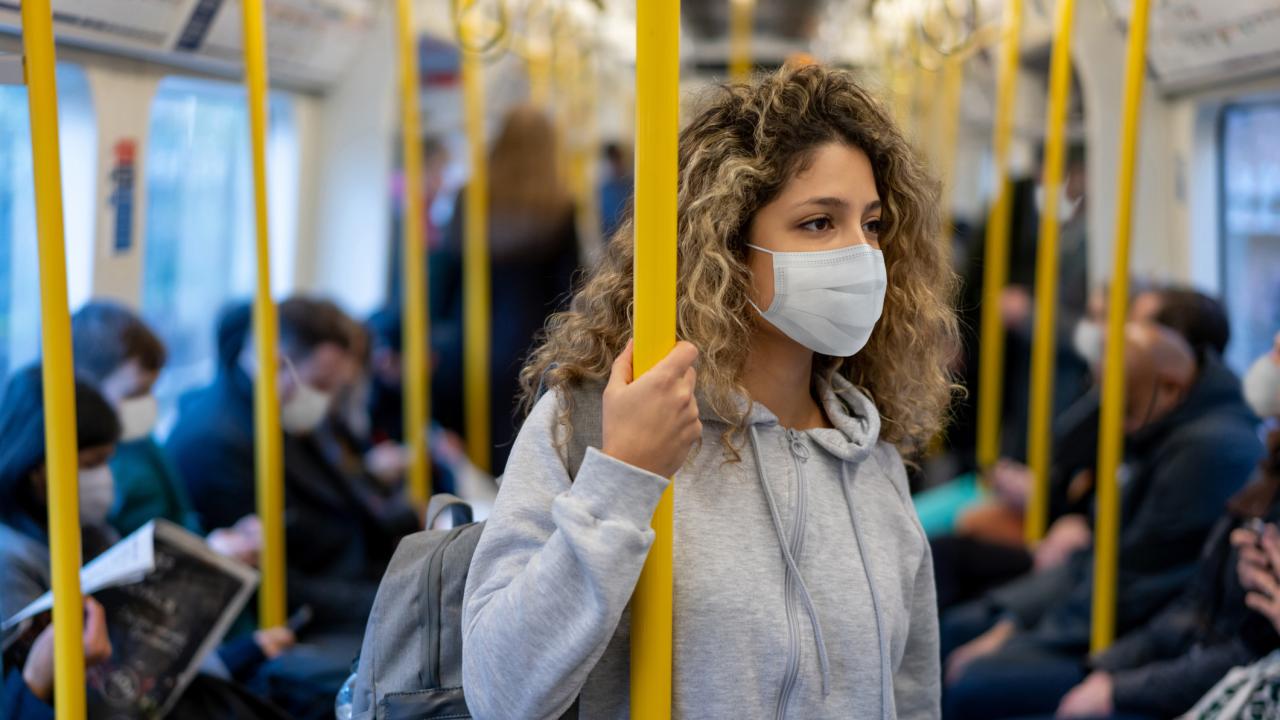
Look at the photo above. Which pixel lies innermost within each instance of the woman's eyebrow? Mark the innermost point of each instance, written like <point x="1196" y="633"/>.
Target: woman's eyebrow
<point x="872" y="206"/>
<point x="830" y="202"/>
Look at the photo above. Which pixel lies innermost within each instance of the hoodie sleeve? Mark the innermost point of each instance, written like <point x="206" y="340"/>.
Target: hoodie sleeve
<point x="552" y="574"/>
<point x="917" y="693"/>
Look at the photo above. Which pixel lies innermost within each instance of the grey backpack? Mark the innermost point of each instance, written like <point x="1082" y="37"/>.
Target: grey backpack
<point x="410" y="664"/>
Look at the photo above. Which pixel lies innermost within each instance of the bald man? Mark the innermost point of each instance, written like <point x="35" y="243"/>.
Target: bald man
<point x="1190" y="443"/>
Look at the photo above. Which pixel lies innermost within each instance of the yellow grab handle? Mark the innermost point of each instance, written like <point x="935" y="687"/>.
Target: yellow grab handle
<point x="657" y="138"/>
<point x="414" y="320"/>
<point x="1039" y="423"/>
<point x="266" y="399"/>
<point x="1106" y="547"/>
<point x="61" y="454"/>
<point x="475" y="259"/>
<point x="995" y="271"/>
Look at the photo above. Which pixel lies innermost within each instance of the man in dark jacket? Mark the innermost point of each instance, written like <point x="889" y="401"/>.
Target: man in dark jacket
<point x="1190" y="445"/>
<point x="337" y="543"/>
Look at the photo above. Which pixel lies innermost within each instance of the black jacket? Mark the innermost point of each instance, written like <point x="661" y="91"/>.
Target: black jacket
<point x="1165" y="666"/>
<point x="338" y="540"/>
<point x="1178" y="474"/>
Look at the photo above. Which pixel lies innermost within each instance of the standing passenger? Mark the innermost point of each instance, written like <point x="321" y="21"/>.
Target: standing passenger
<point x="813" y="293"/>
<point x="533" y="248"/>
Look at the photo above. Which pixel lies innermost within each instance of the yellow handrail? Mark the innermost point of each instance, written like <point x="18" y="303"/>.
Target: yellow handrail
<point x="417" y="384"/>
<point x="266" y="399"/>
<point x="1039" y="441"/>
<point x="1111" y="427"/>
<point x="949" y="110"/>
<point x="996" y="262"/>
<point x="475" y="260"/>
<point x="657" y="133"/>
<point x="741" y="20"/>
<point x="61" y="455"/>
<point x="1043" y="347"/>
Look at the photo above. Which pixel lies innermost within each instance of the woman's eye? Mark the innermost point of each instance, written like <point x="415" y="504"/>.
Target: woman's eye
<point x="872" y="227"/>
<point x="818" y="224"/>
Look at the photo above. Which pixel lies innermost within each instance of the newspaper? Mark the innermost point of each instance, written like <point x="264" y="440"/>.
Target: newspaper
<point x="169" y="601"/>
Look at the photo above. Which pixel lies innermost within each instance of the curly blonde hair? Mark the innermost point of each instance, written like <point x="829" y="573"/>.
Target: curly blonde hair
<point x="735" y="157"/>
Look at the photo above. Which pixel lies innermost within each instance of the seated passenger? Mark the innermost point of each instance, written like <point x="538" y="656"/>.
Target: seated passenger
<point x="1163" y="667"/>
<point x="122" y="358"/>
<point x="1190" y="444"/>
<point x="24" y="539"/>
<point x="987" y="549"/>
<point x="814" y="294"/>
<point x="336" y="546"/>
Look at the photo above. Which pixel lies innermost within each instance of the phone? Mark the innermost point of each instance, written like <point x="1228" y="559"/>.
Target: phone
<point x="300" y="619"/>
<point x="1257" y="526"/>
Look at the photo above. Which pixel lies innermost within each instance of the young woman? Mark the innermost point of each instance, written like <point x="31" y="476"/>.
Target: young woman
<point x="814" y="285"/>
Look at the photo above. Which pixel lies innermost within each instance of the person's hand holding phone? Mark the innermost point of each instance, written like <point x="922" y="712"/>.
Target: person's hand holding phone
<point x="1258" y="566"/>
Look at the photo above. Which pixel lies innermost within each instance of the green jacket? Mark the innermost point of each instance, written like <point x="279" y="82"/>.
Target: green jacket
<point x="148" y="487"/>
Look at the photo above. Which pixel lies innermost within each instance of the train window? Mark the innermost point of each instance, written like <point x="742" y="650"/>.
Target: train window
<point x="19" y="268"/>
<point x="200" y="235"/>
<point x="1251" y="227"/>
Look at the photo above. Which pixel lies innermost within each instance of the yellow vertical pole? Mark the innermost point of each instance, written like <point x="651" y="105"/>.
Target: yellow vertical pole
<point x="995" y="271"/>
<point x="1111" y="427"/>
<point x="658" y="127"/>
<point x="1039" y="440"/>
<point x="417" y="387"/>
<point x="741" y="20"/>
<point x="61" y="455"/>
<point x="266" y="399"/>
<point x="949" y="117"/>
<point x="475" y="258"/>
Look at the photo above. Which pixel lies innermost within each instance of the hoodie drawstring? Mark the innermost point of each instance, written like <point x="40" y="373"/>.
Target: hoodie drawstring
<point x="795" y="569"/>
<point x="886" y="682"/>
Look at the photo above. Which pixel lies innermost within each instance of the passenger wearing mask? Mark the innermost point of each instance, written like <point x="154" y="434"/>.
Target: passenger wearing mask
<point x="814" y="296"/>
<point x="123" y="358"/>
<point x="24" y="548"/>
<point x="336" y="544"/>
<point x="987" y="548"/>
<point x="533" y="253"/>
<point x="1190" y="445"/>
<point x="1221" y="620"/>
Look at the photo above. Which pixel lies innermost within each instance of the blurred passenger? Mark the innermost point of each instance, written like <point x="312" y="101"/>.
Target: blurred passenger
<point x="24" y="539"/>
<point x="337" y="546"/>
<point x="117" y="353"/>
<point x="1190" y="445"/>
<point x="1220" y="621"/>
<point x="986" y="548"/>
<point x="618" y="182"/>
<point x="533" y="248"/>
<point x="803" y="584"/>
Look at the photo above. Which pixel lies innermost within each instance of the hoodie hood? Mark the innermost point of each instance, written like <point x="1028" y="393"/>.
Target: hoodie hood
<point x="855" y="421"/>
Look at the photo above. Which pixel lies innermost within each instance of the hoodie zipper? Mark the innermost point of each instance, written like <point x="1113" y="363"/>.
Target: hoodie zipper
<point x="799" y="455"/>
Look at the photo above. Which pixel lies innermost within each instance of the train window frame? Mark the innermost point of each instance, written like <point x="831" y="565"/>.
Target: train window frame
<point x="179" y="296"/>
<point x="19" y="242"/>
<point x="1250" y="335"/>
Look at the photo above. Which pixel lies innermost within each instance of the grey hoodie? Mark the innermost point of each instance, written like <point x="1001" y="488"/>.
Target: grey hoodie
<point x="803" y="581"/>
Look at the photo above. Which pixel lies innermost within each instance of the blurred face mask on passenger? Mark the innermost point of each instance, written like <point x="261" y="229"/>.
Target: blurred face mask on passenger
<point x="97" y="494"/>
<point x="1262" y="386"/>
<point x="306" y="406"/>
<point x="829" y="300"/>
<point x="137" y="417"/>
<point x="1087" y="341"/>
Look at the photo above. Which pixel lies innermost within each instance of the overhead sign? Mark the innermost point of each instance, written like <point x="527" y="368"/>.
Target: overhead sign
<point x="1193" y="43"/>
<point x="309" y="41"/>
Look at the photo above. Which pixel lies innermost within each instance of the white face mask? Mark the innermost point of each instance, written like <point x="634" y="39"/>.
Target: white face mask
<point x="137" y="417"/>
<point x="1066" y="206"/>
<point x="97" y="494"/>
<point x="1087" y="341"/>
<point x="1262" y="386"/>
<point x="306" y="408"/>
<point x="828" y="301"/>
